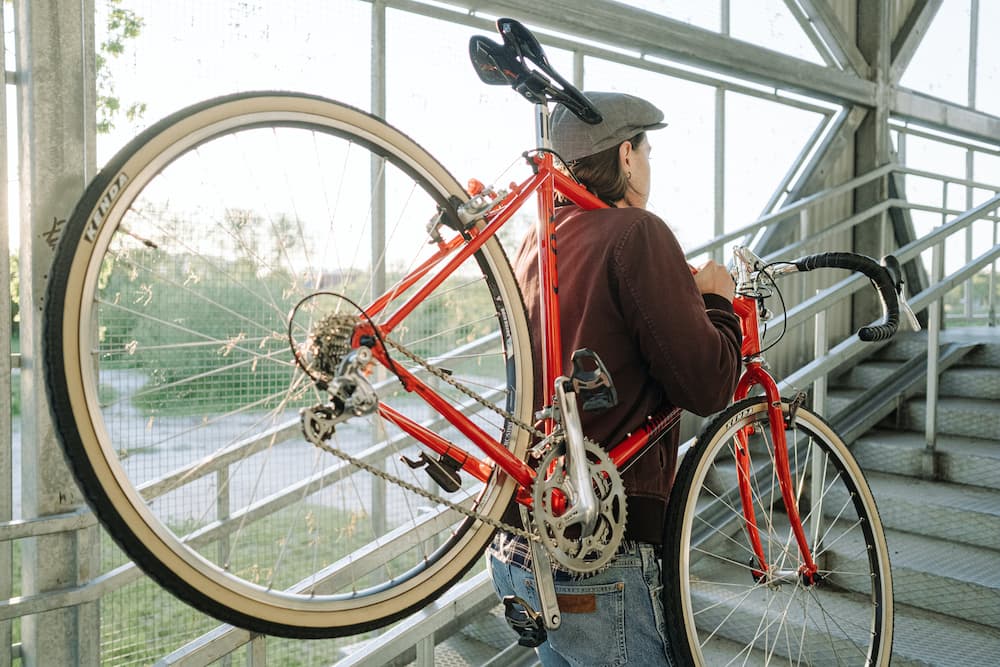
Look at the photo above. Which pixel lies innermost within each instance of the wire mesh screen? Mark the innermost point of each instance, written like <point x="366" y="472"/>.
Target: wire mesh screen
<point x="204" y="282"/>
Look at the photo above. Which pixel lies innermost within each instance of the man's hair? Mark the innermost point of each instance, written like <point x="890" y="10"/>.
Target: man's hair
<point x="602" y="175"/>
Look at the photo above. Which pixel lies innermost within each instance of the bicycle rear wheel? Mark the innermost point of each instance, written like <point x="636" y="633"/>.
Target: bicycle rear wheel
<point x="174" y="389"/>
<point x="720" y="614"/>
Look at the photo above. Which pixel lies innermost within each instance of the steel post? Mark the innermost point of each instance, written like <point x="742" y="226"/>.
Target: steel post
<point x="56" y="134"/>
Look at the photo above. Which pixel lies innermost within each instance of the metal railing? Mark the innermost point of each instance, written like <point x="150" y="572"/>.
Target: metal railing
<point x="417" y="635"/>
<point x="472" y="598"/>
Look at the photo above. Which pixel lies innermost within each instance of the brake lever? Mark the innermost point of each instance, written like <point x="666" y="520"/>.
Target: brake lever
<point x="891" y="264"/>
<point x="907" y="312"/>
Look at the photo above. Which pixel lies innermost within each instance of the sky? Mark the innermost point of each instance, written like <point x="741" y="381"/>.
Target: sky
<point x="477" y="131"/>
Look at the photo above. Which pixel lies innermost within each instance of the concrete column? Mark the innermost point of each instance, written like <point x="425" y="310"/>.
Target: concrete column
<point x="56" y="128"/>
<point x="6" y="443"/>
<point x="871" y="145"/>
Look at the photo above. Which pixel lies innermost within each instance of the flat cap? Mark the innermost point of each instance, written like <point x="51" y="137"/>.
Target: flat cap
<point x="624" y="117"/>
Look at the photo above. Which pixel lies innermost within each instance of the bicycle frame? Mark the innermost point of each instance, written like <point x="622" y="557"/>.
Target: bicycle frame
<point x="545" y="183"/>
<point x="754" y="375"/>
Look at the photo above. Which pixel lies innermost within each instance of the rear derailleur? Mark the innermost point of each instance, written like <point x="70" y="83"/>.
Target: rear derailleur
<point x="351" y="395"/>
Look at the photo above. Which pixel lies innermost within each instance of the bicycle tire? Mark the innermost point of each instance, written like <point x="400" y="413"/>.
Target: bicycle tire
<point x="173" y="388"/>
<point x="720" y="613"/>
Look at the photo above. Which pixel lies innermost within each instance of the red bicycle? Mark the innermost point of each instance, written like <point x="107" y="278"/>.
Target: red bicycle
<point x="290" y="367"/>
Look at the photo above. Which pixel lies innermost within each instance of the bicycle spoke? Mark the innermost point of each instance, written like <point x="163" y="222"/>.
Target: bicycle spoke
<point x="243" y="219"/>
<point x="777" y="618"/>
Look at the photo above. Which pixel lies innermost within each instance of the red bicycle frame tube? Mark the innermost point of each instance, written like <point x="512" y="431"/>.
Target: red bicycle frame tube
<point x="545" y="182"/>
<point x="755" y="375"/>
<point x="552" y="181"/>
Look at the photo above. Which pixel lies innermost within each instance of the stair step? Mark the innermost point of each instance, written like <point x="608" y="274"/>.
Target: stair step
<point x="951" y="512"/>
<point x="971" y="417"/>
<point x="866" y="374"/>
<point x="970" y="382"/>
<point x="910" y="344"/>
<point x="961" y="460"/>
<point x="946" y="577"/>
<point x="965" y="381"/>
<point x="740" y="624"/>
<point x="839" y="398"/>
<point x="924" y="638"/>
<point x="966" y="416"/>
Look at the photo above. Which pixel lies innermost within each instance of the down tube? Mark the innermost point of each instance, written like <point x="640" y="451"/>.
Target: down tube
<point x="493" y="449"/>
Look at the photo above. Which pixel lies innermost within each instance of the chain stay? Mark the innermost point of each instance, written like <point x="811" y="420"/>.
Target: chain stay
<point x="319" y="442"/>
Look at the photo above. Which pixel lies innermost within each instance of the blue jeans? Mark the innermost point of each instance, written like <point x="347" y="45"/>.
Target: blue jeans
<point x="612" y="618"/>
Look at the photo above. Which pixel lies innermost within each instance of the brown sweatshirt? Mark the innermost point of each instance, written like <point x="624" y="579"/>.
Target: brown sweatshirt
<point x="626" y="292"/>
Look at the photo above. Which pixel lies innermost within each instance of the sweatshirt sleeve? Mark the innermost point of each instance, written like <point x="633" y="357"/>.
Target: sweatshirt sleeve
<point x="691" y="343"/>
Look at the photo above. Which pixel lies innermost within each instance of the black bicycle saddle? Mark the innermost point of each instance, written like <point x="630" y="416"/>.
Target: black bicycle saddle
<point x="507" y="64"/>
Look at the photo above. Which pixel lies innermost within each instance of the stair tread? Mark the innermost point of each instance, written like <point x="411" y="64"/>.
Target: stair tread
<point x="927" y="637"/>
<point x="955" y="496"/>
<point x="961" y="403"/>
<point x="946" y="559"/>
<point x="945" y="442"/>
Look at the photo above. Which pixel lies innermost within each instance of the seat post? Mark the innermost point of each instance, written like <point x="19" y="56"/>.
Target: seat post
<point x="542" y="139"/>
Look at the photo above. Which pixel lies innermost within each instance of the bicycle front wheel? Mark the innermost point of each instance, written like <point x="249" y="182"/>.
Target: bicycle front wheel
<point x="173" y="384"/>
<point x="720" y="612"/>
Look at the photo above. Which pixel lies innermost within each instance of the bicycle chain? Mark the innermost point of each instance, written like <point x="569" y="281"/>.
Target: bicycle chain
<point x="442" y="375"/>
<point x="465" y="390"/>
<point x="499" y="525"/>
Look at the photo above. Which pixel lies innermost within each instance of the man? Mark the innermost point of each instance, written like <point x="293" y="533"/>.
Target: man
<point x="668" y="339"/>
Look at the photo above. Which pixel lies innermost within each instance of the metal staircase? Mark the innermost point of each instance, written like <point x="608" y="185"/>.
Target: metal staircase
<point x="940" y="505"/>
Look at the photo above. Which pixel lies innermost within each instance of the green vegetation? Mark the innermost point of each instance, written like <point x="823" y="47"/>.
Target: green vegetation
<point x="141" y="622"/>
<point x="954" y="301"/>
<point x="208" y="329"/>
<point x="122" y="24"/>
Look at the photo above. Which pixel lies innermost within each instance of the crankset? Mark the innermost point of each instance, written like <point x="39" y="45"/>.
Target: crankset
<point x="566" y="541"/>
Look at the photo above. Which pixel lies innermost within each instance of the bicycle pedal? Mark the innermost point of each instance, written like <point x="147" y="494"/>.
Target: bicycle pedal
<point x="443" y="470"/>
<point x="593" y="386"/>
<point x="526" y="622"/>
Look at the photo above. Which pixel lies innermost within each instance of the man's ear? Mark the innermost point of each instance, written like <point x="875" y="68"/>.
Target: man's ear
<point x="624" y="154"/>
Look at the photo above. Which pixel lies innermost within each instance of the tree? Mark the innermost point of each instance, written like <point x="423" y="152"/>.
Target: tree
<point x="122" y="24"/>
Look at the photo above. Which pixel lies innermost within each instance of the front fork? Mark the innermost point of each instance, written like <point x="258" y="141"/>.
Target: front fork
<point x="757" y="376"/>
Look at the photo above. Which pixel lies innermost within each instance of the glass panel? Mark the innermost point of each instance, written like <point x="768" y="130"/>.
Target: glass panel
<point x="941" y="64"/>
<point x="696" y="12"/>
<point x="770" y="24"/>
<point x="988" y="60"/>
<point x="682" y="153"/>
<point x="187" y="51"/>
<point x="763" y="139"/>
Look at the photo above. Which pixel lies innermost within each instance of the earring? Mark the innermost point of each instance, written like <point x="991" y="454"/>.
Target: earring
<point x="628" y="175"/>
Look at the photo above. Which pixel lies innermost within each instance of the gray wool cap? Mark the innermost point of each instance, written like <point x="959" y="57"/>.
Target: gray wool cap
<point x="624" y="117"/>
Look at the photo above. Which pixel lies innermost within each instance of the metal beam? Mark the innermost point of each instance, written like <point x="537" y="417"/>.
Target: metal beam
<point x="941" y="115"/>
<point x="6" y="439"/>
<point x="906" y="41"/>
<point x="56" y="93"/>
<point x="823" y="24"/>
<point x="654" y="35"/>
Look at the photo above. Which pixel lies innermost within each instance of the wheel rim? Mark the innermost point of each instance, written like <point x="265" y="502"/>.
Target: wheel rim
<point x="846" y="619"/>
<point x="187" y="397"/>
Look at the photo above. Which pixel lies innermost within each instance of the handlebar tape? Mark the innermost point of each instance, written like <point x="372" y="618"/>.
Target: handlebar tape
<point x="881" y="276"/>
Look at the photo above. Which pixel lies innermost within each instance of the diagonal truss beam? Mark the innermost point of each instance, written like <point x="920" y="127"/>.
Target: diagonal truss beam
<point x="827" y="34"/>
<point x="906" y="41"/>
<point x="653" y="35"/>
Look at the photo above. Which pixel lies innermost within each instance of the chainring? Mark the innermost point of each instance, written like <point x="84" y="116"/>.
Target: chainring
<point x="562" y="540"/>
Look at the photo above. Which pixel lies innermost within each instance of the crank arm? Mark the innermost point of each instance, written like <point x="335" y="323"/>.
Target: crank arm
<point x="585" y="507"/>
<point x="541" y="567"/>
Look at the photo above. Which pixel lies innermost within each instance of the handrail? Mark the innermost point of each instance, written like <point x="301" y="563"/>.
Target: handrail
<point x="227" y="639"/>
<point x="790" y="210"/>
<point x="852" y="346"/>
